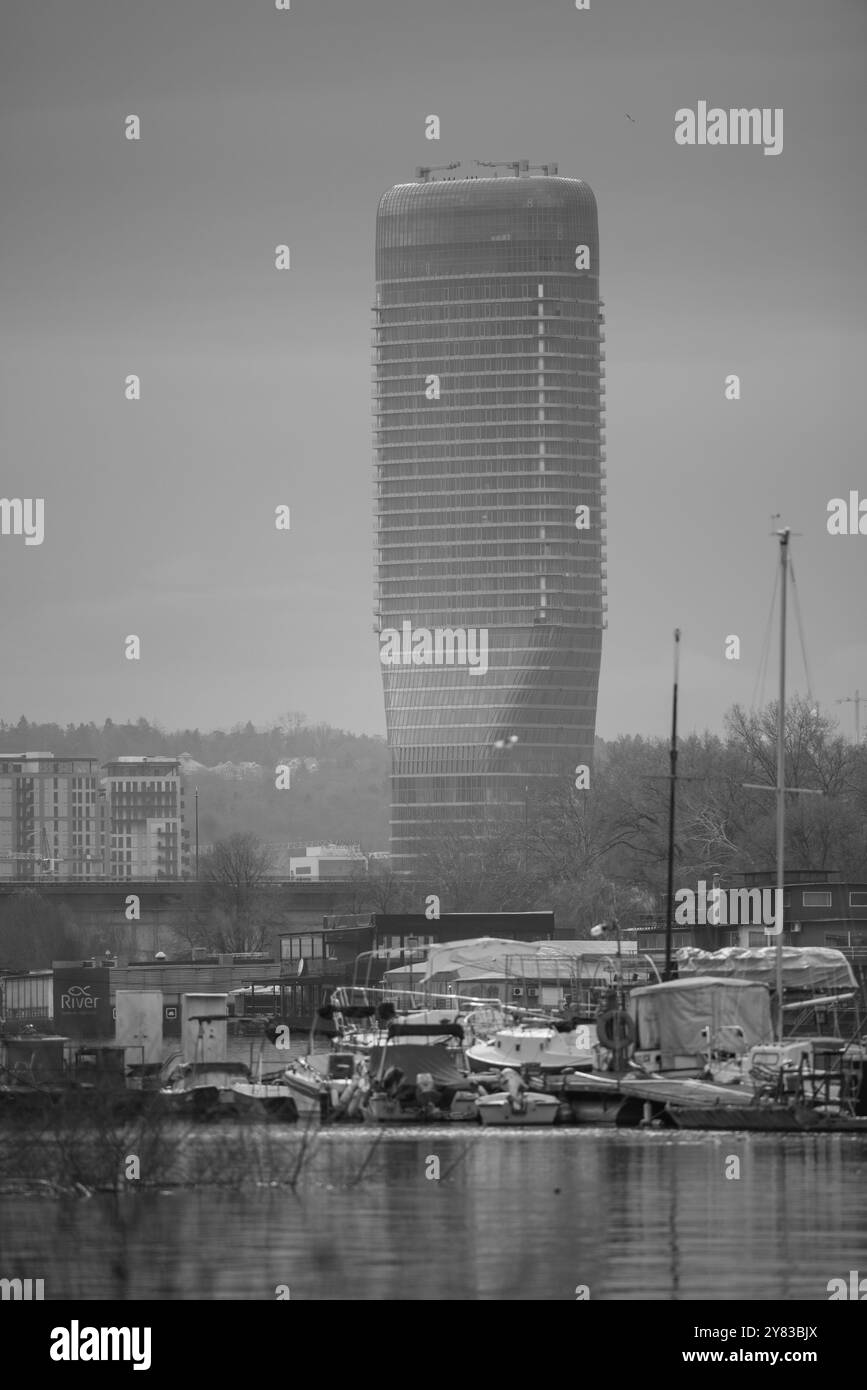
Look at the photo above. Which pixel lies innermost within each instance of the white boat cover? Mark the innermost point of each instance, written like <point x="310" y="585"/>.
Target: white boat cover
<point x="804" y="967"/>
<point x="670" y="1017"/>
<point x="494" y="958"/>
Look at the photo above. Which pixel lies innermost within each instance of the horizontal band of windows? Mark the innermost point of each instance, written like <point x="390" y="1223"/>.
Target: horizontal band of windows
<point x="532" y="510"/>
<point x="564" y="594"/>
<point x="439" y="589"/>
<point x="430" y="227"/>
<point x="475" y="755"/>
<point x="568" y="429"/>
<point x="450" y="716"/>
<point x="409" y="814"/>
<point x="561" y="737"/>
<point x="568" y="366"/>
<point x="540" y="680"/>
<point x="462" y="398"/>
<point x="521" y="682"/>
<point x="412" y="526"/>
<point x="470" y="279"/>
<point x="405" y="488"/>
<point x="387" y="320"/>
<point x="528" y="535"/>
<point x="557" y="331"/>
<point x="488" y="258"/>
<point x="448" y="724"/>
<point x="558" y="456"/>
<point x="513" y="617"/>
<point x="419" y="461"/>
<point x="396" y="470"/>
<point x="520" y="553"/>
<point x="530" y="692"/>
<point x="575" y="414"/>
<point x="471" y="354"/>
<point x="426" y="294"/>
<point x="520" y="337"/>
<point x="510" y="494"/>
<point x="461" y="783"/>
<point x="473" y="537"/>
<point x="518" y="683"/>
<point x="427" y="762"/>
<point x="527" y="558"/>
<point x="563" y="575"/>
<point x="476" y="287"/>
<point x="433" y="762"/>
<point x="525" y="431"/>
<point x="477" y="389"/>
<point x="529" y="647"/>
<point x="555" y="763"/>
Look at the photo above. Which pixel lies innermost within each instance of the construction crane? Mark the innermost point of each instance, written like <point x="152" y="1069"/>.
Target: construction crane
<point x="45" y="859"/>
<point x="423" y="170"/>
<point x="857" y="700"/>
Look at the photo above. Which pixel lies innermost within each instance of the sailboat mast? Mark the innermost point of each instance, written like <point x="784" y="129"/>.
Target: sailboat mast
<point x="781" y="780"/>
<point x="671" y="806"/>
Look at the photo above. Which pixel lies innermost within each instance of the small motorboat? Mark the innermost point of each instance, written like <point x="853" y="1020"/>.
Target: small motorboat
<point x="316" y="1092"/>
<point x="214" y="1090"/>
<point x="499" y="1109"/>
<point x="516" y="1105"/>
<point x="414" y="1077"/>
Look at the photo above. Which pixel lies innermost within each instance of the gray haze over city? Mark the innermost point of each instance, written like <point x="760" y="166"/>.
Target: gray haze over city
<point x="157" y="258"/>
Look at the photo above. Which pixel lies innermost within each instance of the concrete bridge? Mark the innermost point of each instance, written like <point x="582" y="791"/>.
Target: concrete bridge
<point x="166" y="906"/>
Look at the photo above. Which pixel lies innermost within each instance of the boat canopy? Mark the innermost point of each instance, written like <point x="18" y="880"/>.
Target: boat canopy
<point x="684" y="1018"/>
<point x="414" y="1060"/>
<point x="327" y="1011"/>
<point x="442" y="1029"/>
<point x="804" y="967"/>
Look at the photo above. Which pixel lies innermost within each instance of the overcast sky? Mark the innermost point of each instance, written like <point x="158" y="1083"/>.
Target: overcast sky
<point x="262" y="127"/>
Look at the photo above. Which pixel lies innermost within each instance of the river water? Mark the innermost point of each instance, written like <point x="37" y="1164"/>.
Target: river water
<point x="628" y="1214"/>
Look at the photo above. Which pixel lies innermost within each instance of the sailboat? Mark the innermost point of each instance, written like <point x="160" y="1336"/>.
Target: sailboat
<point x="799" y="1083"/>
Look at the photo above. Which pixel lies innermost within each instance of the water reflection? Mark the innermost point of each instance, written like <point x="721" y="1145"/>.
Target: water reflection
<point x="512" y="1216"/>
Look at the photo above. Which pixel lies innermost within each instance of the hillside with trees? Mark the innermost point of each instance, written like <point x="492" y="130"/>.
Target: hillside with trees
<point x="344" y="799"/>
<point x="585" y="854"/>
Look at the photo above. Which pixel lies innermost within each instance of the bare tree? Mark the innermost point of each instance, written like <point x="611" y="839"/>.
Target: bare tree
<point x="239" y="905"/>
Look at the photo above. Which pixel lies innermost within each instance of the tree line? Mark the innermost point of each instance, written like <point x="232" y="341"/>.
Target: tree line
<point x="587" y="855"/>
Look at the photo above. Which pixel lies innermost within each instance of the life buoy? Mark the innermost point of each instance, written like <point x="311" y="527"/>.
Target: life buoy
<point x="615" y="1029"/>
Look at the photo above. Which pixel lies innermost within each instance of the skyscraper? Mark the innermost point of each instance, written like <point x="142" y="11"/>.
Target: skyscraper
<point x="489" y="448"/>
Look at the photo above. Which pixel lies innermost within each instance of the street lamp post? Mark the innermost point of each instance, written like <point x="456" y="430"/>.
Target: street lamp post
<point x="508" y="744"/>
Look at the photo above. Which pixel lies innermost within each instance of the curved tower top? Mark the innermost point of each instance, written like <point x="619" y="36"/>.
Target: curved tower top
<point x="485" y="226"/>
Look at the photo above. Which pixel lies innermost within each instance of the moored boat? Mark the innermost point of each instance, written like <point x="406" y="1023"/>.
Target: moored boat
<point x="498" y="1109"/>
<point x="551" y="1047"/>
<point x="414" y="1077"/>
<point x="214" y="1090"/>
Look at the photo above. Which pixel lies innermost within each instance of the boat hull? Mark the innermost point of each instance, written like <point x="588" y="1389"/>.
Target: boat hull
<point x="684" y="1091"/>
<point x="536" y="1110"/>
<point x="387" y="1110"/>
<point x="766" y="1119"/>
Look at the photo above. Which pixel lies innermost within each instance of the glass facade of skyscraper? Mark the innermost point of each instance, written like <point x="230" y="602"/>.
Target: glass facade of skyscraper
<point x="489" y="447"/>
